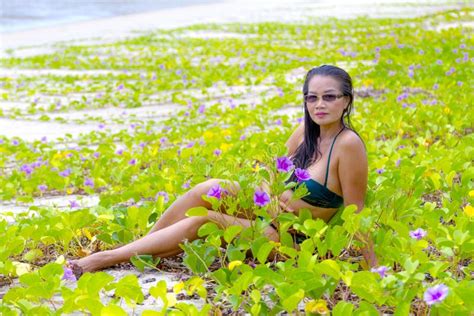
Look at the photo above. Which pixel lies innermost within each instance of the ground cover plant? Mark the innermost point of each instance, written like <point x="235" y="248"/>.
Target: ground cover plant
<point x="413" y="83"/>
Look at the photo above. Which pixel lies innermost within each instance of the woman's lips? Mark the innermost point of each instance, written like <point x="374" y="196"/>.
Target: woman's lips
<point x="321" y="114"/>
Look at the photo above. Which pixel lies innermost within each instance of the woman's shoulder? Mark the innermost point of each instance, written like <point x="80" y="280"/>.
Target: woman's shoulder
<point x="350" y="141"/>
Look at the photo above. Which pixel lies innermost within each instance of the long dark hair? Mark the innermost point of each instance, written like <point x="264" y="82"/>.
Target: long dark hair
<point x="308" y="151"/>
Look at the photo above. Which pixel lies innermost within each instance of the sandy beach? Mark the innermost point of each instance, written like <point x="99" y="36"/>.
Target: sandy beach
<point x="69" y="101"/>
<point x="109" y="29"/>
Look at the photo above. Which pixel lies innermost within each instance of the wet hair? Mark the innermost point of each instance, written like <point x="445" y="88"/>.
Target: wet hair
<point x="308" y="151"/>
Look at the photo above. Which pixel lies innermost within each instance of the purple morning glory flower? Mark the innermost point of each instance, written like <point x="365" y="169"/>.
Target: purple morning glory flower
<point x="380" y="171"/>
<point x="73" y="204"/>
<point x="1" y="141"/>
<point x="435" y="86"/>
<point x="27" y="169"/>
<point x="15" y="142"/>
<point x="101" y="126"/>
<point x="186" y="185"/>
<point x="120" y="87"/>
<point x="163" y="140"/>
<point x="302" y="174"/>
<point x="435" y="294"/>
<point x="42" y="187"/>
<point x="243" y="137"/>
<point x="284" y="164"/>
<point x="65" y="173"/>
<point x="398" y="163"/>
<point x="89" y="182"/>
<point x="68" y="274"/>
<point x="215" y="191"/>
<point x="418" y="233"/>
<point x="202" y="108"/>
<point x="299" y="120"/>
<point x="217" y="152"/>
<point x="119" y="151"/>
<point x="96" y="154"/>
<point x="164" y="194"/>
<point x="261" y="198"/>
<point x="191" y="144"/>
<point x="380" y="270"/>
<point x="278" y="122"/>
<point x="132" y="162"/>
<point x="44" y="139"/>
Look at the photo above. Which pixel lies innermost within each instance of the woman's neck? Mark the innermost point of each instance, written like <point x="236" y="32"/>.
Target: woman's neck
<point x="329" y="132"/>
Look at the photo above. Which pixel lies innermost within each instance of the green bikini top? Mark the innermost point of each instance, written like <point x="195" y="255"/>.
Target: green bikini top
<point x="320" y="195"/>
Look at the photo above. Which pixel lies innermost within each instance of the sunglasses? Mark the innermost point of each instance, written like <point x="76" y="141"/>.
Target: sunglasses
<point x="311" y="98"/>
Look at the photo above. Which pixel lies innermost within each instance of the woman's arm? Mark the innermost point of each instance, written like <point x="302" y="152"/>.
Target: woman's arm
<point x="353" y="173"/>
<point x="295" y="139"/>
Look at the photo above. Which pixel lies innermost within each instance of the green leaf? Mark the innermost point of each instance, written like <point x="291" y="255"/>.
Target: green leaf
<point x="232" y="231"/>
<point x="343" y="309"/>
<point x="366" y="286"/>
<point x="197" y="211"/>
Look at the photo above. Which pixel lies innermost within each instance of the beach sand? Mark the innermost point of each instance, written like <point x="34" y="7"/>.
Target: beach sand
<point x="45" y="40"/>
<point x="109" y="29"/>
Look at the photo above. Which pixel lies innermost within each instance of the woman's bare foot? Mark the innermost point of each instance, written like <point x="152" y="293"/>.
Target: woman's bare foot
<point x="92" y="263"/>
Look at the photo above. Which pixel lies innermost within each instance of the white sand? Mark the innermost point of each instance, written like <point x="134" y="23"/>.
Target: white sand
<point x="227" y="11"/>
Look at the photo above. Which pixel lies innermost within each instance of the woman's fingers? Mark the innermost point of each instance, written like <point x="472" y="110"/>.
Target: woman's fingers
<point x="286" y="207"/>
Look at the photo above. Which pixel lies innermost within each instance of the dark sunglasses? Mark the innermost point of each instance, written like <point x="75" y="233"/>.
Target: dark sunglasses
<point x="311" y="98"/>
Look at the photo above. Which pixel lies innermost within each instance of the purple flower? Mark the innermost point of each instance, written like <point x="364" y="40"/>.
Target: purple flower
<point x="460" y="83"/>
<point x="299" y="120"/>
<point x="120" y="87"/>
<point x="73" y="204"/>
<point x="217" y="152"/>
<point x="278" y="122"/>
<point x="65" y="173"/>
<point x="15" y="142"/>
<point x="380" y="171"/>
<point x="302" y="174"/>
<point x="96" y="154"/>
<point x="215" y="191"/>
<point x="435" y="86"/>
<point x="27" y="169"/>
<point x="119" y="151"/>
<point x="398" y="163"/>
<point x="191" y="144"/>
<point x="164" y="195"/>
<point x="132" y="162"/>
<point x="261" y="198"/>
<point x="42" y="187"/>
<point x="202" y="108"/>
<point x="68" y="274"/>
<point x="243" y="137"/>
<point x="417" y="233"/>
<point x="142" y="144"/>
<point x="89" y="182"/>
<point x="163" y="140"/>
<point x="101" y="126"/>
<point x="44" y="139"/>
<point x="284" y="164"/>
<point x="380" y="270"/>
<point x="435" y="294"/>
<point x="186" y="185"/>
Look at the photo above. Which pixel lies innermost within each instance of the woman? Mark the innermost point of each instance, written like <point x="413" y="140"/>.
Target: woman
<point x="333" y="155"/>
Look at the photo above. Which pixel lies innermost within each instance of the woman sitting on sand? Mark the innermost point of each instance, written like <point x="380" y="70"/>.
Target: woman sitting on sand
<point x="333" y="155"/>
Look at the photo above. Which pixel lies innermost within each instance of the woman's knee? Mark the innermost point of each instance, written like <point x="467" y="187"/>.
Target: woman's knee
<point x="229" y="187"/>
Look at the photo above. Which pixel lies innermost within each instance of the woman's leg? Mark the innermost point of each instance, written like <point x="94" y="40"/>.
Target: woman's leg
<point x="190" y="199"/>
<point x="164" y="242"/>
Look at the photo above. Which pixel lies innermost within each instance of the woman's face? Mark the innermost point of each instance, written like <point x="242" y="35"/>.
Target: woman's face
<point x="325" y="101"/>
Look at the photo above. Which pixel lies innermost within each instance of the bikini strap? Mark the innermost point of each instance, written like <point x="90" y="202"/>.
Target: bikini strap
<point x="329" y="157"/>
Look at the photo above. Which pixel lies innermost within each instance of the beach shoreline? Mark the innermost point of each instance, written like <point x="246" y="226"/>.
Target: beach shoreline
<point x="123" y="26"/>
